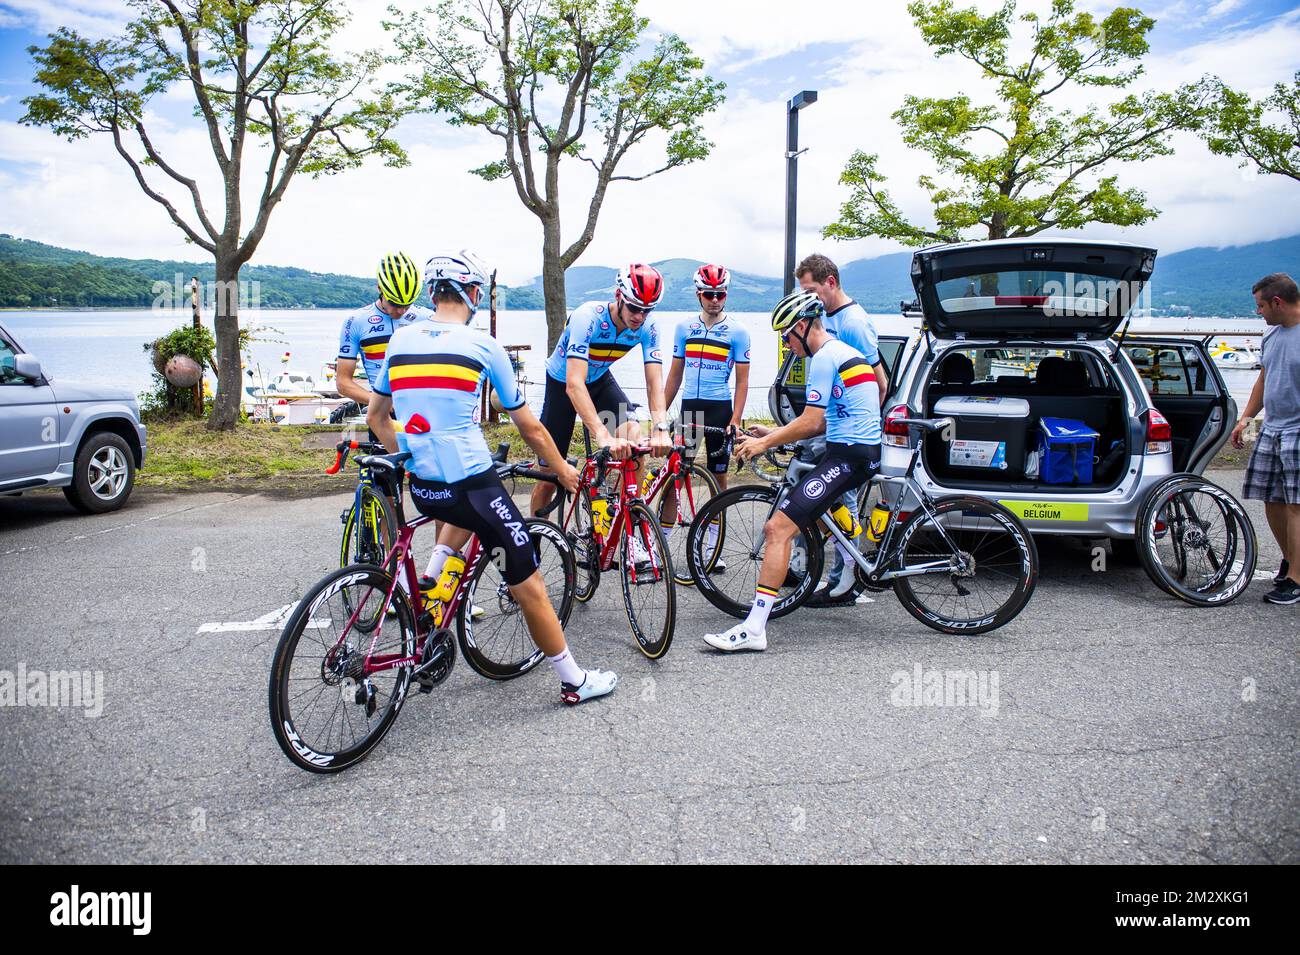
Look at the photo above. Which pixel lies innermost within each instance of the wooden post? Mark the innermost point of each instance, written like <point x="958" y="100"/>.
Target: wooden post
<point x="198" y="323"/>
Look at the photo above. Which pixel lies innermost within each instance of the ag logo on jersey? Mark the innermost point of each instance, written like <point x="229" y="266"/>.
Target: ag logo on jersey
<point x="580" y="349"/>
<point x="815" y="489"/>
<point x="345" y="349"/>
<point x="814" y="394"/>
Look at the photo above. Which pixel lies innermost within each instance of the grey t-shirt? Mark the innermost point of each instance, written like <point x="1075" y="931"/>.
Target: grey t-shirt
<point x="1280" y="356"/>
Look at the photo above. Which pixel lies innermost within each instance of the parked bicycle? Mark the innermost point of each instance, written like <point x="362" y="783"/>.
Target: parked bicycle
<point x="958" y="564"/>
<point x="358" y="638"/>
<point x="603" y="529"/>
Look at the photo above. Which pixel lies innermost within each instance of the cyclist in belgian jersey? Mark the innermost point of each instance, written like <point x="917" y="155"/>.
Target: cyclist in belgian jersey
<point x="848" y="321"/>
<point x="844" y="403"/>
<point x="366" y="333"/>
<point x="578" y="379"/>
<point x="433" y="377"/>
<point x="705" y="351"/>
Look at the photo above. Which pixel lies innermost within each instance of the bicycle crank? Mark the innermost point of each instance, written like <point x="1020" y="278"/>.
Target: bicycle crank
<point x="437" y="660"/>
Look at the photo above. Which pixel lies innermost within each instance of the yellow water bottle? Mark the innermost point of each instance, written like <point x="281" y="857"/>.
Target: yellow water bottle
<point x="879" y="521"/>
<point x="601" y="518"/>
<point x="847" y="522"/>
<point x="449" y="579"/>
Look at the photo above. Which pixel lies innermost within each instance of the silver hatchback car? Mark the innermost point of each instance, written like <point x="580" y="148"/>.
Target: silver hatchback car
<point x="1018" y="336"/>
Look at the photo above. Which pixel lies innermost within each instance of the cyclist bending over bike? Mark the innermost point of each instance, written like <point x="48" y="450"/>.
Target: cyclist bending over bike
<point x="578" y="379"/>
<point x="844" y="402"/>
<point x="433" y="376"/>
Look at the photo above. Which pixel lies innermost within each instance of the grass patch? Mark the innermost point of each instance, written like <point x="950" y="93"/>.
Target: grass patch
<point x="184" y="453"/>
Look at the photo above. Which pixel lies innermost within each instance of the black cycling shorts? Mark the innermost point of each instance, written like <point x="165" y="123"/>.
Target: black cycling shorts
<point x="845" y="467"/>
<point x="711" y="414"/>
<point x="559" y="416"/>
<point x="480" y="503"/>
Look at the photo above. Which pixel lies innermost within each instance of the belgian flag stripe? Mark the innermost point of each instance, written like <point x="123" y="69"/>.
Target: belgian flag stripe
<point x="700" y="349"/>
<point x="434" y="369"/>
<point x="855" y="371"/>
<point x="437" y="359"/>
<point x="434" y="381"/>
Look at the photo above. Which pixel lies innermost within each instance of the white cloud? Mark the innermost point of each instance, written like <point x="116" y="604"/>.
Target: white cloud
<point x="729" y="207"/>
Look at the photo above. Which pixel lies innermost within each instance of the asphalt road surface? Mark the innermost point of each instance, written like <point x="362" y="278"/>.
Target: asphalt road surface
<point x="1115" y="725"/>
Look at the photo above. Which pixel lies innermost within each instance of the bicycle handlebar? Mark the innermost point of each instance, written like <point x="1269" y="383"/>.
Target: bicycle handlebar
<point x="344" y="448"/>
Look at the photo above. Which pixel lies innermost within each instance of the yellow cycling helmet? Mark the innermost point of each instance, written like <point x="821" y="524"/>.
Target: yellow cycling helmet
<point x="795" y="307"/>
<point x="399" y="279"/>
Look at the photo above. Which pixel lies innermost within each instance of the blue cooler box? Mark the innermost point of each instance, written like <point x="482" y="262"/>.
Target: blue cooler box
<point x="1066" y="448"/>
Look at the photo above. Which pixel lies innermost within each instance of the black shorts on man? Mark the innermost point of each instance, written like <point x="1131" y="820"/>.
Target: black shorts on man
<point x="481" y="504"/>
<point x="715" y="415"/>
<point x="846" y="467"/>
<point x="559" y="416"/>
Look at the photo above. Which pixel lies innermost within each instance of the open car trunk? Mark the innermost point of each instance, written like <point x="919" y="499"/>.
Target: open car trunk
<point x="998" y="398"/>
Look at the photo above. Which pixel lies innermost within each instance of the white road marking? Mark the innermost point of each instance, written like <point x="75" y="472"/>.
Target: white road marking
<point x="274" y="620"/>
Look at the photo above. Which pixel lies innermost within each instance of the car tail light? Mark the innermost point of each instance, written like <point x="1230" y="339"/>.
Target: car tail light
<point x="896" y="433"/>
<point x="1160" y="435"/>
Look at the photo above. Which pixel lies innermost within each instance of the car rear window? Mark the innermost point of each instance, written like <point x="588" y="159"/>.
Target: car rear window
<point x="1055" y="293"/>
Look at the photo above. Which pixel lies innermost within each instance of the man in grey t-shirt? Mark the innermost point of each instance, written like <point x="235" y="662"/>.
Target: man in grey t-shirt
<point x="1273" y="474"/>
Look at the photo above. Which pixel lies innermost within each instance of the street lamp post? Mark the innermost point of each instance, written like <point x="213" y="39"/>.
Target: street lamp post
<point x="792" y="151"/>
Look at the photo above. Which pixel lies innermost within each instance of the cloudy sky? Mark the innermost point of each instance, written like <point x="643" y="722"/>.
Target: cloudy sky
<point x="728" y="208"/>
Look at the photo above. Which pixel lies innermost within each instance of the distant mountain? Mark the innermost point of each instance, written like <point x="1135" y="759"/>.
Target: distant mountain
<point x="1201" y="281"/>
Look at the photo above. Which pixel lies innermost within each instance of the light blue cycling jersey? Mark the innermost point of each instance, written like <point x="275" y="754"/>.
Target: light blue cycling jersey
<point x="590" y="334"/>
<point x="850" y="324"/>
<point x="841" y="381"/>
<point x="434" y="372"/>
<point x="709" y="355"/>
<point x="366" y="333"/>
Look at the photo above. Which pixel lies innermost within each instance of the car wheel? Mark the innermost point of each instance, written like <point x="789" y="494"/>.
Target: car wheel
<point x="1124" y="550"/>
<point x="103" y="474"/>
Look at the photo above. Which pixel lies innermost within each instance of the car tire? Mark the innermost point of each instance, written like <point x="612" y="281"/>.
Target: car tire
<point x="102" y="475"/>
<point x="1125" y="550"/>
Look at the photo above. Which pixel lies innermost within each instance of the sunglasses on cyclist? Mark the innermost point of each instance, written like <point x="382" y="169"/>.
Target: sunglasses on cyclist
<point x="713" y="296"/>
<point x="637" y="309"/>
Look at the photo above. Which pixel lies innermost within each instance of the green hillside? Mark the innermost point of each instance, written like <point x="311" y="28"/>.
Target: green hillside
<point x="1194" y="282"/>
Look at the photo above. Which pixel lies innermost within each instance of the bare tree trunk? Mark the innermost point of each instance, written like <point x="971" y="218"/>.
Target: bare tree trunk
<point x="557" y="308"/>
<point x="225" y="407"/>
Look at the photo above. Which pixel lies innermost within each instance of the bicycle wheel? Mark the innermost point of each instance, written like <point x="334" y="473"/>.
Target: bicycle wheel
<point x="1001" y="565"/>
<point x="649" y="591"/>
<point x="369" y="539"/>
<point x="586" y="549"/>
<point x="741" y="513"/>
<point x="498" y="645"/>
<point x="694" y="488"/>
<point x="326" y="712"/>
<point x="1196" y="542"/>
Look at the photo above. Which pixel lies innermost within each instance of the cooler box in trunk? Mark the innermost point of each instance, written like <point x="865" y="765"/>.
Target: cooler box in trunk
<point x="990" y="435"/>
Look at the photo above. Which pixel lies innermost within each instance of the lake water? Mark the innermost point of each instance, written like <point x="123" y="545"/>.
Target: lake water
<point x="107" y="347"/>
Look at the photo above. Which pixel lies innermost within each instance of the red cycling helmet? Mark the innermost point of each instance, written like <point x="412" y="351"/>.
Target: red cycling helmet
<point x="640" y="285"/>
<point x="712" y="278"/>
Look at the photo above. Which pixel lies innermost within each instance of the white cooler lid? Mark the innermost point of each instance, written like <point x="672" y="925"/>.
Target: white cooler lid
<point x="982" y="406"/>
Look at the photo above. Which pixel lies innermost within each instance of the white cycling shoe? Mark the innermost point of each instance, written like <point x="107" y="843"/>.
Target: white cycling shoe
<point x="595" y="683"/>
<point x="735" y="639"/>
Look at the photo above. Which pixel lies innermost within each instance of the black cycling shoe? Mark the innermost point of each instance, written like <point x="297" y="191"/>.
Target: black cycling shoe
<point x="1283" y="572"/>
<point x="823" y="598"/>
<point x="1287" y="592"/>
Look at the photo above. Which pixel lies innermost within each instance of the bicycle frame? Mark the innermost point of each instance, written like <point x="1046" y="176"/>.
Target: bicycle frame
<point x="400" y="557"/>
<point x="888" y="552"/>
<point x="628" y="491"/>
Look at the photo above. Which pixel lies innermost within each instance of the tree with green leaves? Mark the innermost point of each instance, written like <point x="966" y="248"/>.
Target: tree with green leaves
<point x="260" y="72"/>
<point x="1265" y="132"/>
<point x="1025" y="164"/>
<point x="557" y="78"/>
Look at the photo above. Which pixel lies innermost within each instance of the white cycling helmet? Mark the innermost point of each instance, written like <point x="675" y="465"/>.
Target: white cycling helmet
<point x="456" y="270"/>
<point x="640" y="284"/>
